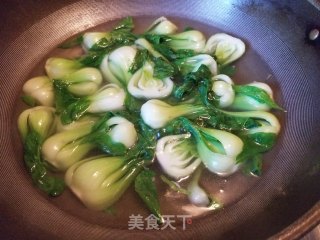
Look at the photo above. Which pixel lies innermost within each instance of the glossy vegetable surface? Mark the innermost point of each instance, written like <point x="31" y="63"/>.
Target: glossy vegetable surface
<point x="135" y="98"/>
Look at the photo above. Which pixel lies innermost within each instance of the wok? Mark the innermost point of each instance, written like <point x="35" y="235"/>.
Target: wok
<point x="282" y="204"/>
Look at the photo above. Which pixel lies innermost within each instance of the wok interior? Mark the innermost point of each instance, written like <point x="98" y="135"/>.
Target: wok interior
<point x="255" y="207"/>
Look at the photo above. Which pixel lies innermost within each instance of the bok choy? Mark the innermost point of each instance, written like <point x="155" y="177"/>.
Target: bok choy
<point x="217" y="149"/>
<point x="110" y="97"/>
<point x="190" y="40"/>
<point x="177" y="155"/>
<point x="63" y="149"/>
<point x="91" y="38"/>
<point x="115" y="66"/>
<point x="225" y="48"/>
<point x="81" y="81"/>
<point x="157" y="114"/>
<point x="40" y="89"/>
<point x="254" y="96"/>
<point x="143" y="84"/>
<point x="35" y="126"/>
<point x="132" y="99"/>
<point x="222" y="87"/>
<point x="162" y="26"/>
<point x="101" y="180"/>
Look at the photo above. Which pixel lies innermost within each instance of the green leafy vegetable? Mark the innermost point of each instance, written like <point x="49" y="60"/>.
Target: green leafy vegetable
<point x="225" y="121"/>
<point x="105" y="143"/>
<point x="227" y="69"/>
<point x="256" y="93"/>
<point x="253" y="165"/>
<point x="196" y="194"/>
<point x="157" y="114"/>
<point x="264" y="140"/>
<point x="188" y="28"/>
<point x="217" y="149"/>
<point x="191" y="82"/>
<point x="30" y="101"/>
<point x="225" y="48"/>
<point x="254" y="145"/>
<point x="38" y="91"/>
<point x="101" y="138"/>
<point x="144" y="185"/>
<point x="71" y="108"/>
<point x="162" y="69"/>
<point x="159" y="44"/>
<point x="63" y="97"/>
<point x="145" y="147"/>
<point x="75" y="110"/>
<point x="121" y="35"/>
<point x="162" y="26"/>
<point x="65" y="148"/>
<point x="139" y="60"/>
<point x="174" y="127"/>
<point x="53" y="186"/>
<point x="125" y="24"/>
<point x="177" y="155"/>
<point x="173" y="185"/>
<point x="155" y="38"/>
<point x="133" y="105"/>
<point x="185" y="131"/>
<point x="118" y="39"/>
<point x="35" y="126"/>
<point x="92" y="58"/>
<point x="192" y="64"/>
<point x="100" y="181"/>
<point x="171" y="54"/>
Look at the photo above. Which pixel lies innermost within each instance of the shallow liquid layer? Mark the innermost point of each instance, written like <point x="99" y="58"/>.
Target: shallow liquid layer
<point x="227" y="190"/>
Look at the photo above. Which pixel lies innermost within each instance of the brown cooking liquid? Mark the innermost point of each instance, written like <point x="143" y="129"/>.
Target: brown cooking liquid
<point x="228" y="190"/>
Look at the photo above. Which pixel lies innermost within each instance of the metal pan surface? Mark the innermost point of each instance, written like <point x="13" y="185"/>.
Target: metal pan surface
<point x="282" y="204"/>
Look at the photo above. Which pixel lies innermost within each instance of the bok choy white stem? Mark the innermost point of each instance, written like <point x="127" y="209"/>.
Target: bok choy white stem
<point x="192" y="64"/>
<point x="91" y="38"/>
<point x="115" y="66"/>
<point x="268" y="122"/>
<point x="109" y="98"/>
<point x="217" y="149"/>
<point x="57" y="68"/>
<point x="81" y="81"/>
<point x="144" y="44"/>
<point x="63" y="149"/>
<point x="222" y="87"/>
<point x="162" y="26"/>
<point x="157" y="114"/>
<point x="87" y="119"/>
<point x="144" y="85"/>
<point x="35" y="125"/>
<point x="122" y="131"/>
<point x="40" y="89"/>
<point x="100" y="181"/>
<point x="192" y="40"/>
<point x="196" y="194"/>
<point x="177" y="155"/>
<point x="225" y="48"/>
<point x="40" y="119"/>
<point x="256" y="96"/>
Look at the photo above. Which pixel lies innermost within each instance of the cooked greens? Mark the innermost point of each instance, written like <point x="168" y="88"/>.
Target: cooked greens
<point x="131" y="99"/>
<point x="35" y="126"/>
